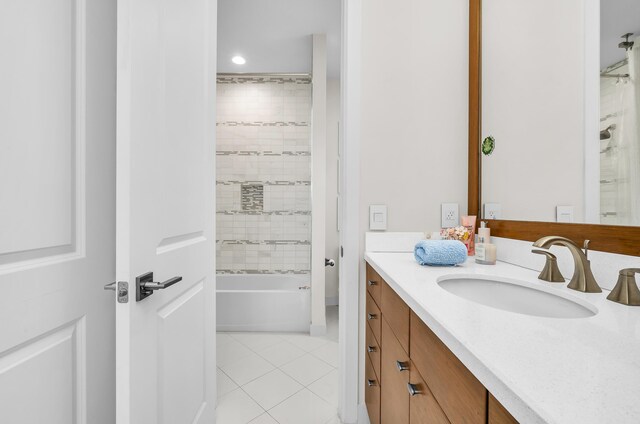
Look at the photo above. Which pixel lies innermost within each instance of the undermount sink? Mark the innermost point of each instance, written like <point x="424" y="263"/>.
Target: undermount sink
<point x="516" y="296"/>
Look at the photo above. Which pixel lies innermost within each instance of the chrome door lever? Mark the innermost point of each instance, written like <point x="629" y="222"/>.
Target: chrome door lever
<point x="145" y="285"/>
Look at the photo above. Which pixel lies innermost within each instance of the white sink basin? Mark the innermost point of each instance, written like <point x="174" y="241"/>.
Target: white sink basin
<point x="516" y="296"/>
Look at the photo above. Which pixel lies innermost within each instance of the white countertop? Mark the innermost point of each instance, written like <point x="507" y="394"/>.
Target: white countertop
<point x="543" y="370"/>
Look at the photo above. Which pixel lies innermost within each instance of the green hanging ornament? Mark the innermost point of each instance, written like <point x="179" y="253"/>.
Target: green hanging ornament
<point x="488" y="145"/>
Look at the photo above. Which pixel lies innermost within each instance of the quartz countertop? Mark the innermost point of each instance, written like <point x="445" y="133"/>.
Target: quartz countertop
<point x="543" y="370"/>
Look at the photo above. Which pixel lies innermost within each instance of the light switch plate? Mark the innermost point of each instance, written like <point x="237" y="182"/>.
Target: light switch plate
<point x="378" y="217"/>
<point x="450" y="215"/>
<point x="564" y="213"/>
<point x="492" y="211"/>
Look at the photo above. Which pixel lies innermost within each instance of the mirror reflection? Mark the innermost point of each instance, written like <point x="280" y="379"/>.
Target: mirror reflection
<point x="561" y="126"/>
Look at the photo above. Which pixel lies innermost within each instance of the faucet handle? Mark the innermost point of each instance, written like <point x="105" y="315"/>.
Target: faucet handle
<point x="550" y="272"/>
<point x="585" y="247"/>
<point x="626" y="290"/>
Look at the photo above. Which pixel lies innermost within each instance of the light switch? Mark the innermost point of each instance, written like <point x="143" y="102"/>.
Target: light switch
<point x="564" y="213"/>
<point x="378" y="217"/>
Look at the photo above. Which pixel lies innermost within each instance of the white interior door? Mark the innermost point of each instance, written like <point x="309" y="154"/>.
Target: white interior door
<point x="57" y="214"/>
<point x="165" y="210"/>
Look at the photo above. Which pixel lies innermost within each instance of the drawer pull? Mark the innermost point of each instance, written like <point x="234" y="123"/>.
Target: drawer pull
<point x="372" y="283"/>
<point x="371" y="383"/>
<point x="372" y="316"/>
<point x="413" y="389"/>
<point x="402" y="366"/>
<point x="371" y="349"/>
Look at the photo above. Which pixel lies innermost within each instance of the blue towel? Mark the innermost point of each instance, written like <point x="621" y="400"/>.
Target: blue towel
<point x="440" y="252"/>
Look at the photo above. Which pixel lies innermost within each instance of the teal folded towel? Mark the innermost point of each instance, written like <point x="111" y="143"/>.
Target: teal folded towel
<point x="440" y="252"/>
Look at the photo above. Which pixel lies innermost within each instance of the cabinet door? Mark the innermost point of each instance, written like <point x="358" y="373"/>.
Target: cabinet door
<point x="498" y="414"/>
<point x="372" y="393"/>
<point x="462" y="397"/>
<point x="394" y="402"/>
<point x="397" y="313"/>
<point x="423" y="407"/>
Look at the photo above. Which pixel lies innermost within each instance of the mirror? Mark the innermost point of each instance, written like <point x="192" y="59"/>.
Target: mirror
<point x="560" y="121"/>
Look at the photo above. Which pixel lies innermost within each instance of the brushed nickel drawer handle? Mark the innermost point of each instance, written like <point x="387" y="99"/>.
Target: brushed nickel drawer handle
<point x="371" y="383"/>
<point x="372" y="316"/>
<point x="413" y="389"/>
<point x="402" y="366"/>
<point x="372" y="283"/>
<point x="371" y="349"/>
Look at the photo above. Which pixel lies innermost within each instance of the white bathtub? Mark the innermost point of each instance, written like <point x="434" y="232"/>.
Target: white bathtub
<point x="263" y="303"/>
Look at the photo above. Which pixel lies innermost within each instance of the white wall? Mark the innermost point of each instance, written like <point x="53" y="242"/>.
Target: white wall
<point x="533" y="104"/>
<point x="413" y="144"/>
<point x="332" y="242"/>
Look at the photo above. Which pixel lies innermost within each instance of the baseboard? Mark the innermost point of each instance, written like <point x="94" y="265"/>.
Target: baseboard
<point x="316" y="330"/>
<point x="331" y="301"/>
<point x="363" y="415"/>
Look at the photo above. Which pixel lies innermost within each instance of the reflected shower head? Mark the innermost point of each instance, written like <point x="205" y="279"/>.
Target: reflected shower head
<point x="606" y="133"/>
<point x="626" y="44"/>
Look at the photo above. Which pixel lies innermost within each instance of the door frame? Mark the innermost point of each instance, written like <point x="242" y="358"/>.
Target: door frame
<point x="349" y="279"/>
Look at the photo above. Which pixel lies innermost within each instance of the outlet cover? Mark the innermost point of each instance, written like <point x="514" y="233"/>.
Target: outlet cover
<point x="450" y="215"/>
<point x="492" y="211"/>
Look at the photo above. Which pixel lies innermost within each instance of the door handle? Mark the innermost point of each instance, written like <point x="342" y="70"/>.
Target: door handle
<point x="329" y="262"/>
<point x="122" y="289"/>
<point x="145" y="285"/>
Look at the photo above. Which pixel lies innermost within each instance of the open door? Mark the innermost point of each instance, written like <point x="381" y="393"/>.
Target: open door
<point x="165" y="329"/>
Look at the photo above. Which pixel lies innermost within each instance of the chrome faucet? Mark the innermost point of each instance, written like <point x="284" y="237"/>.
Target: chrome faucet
<point x="583" y="279"/>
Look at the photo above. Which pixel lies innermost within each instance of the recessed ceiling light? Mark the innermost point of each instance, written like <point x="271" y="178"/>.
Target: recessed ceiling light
<point x="238" y="60"/>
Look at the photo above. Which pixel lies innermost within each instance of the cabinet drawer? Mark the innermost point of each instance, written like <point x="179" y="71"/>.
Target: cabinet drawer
<point x="498" y="414"/>
<point x="394" y="403"/>
<point x="397" y="313"/>
<point x="374" y="284"/>
<point x="372" y="393"/>
<point x="373" y="317"/>
<point x="460" y="395"/>
<point x="373" y="350"/>
<point x="423" y="407"/>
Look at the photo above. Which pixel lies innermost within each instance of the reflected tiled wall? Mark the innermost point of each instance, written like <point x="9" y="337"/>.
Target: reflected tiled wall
<point x="263" y="175"/>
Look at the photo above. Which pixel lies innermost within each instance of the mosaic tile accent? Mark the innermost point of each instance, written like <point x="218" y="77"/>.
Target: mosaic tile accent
<point x="267" y="242"/>
<point x="252" y="196"/>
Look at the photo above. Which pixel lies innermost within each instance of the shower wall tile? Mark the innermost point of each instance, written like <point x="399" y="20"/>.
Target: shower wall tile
<point x="263" y="175"/>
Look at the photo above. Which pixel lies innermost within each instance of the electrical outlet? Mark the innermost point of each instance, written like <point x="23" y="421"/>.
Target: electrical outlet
<point x="450" y="215"/>
<point x="492" y="211"/>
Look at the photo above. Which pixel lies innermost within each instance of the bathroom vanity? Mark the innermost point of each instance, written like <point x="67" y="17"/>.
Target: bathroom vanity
<point x="436" y="357"/>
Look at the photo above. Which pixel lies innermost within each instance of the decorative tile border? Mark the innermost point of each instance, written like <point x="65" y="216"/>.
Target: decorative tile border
<point x="264" y="79"/>
<point x="263" y="212"/>
<point x="265" y="242"/>
<point x="262" y="124"/>
<point x="267" y="183"/>
<point x="264" y="272"/>
<point x="262" y="153"/>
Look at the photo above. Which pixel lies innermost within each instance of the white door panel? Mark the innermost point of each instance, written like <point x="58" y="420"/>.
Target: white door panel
<point x="57" y="215"/>
<point x="165" y="207"/>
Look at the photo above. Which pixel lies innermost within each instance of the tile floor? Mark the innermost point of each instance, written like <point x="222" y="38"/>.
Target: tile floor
<point x="278" y="378"/>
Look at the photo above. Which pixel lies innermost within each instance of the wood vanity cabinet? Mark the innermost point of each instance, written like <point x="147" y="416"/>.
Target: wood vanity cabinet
<point x="412" y="377"/>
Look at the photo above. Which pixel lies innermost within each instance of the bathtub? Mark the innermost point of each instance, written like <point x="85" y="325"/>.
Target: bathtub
<point x="263" y="302"/>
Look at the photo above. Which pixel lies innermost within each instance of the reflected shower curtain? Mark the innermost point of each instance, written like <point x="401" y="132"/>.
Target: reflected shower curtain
<point x="628" y="157"/>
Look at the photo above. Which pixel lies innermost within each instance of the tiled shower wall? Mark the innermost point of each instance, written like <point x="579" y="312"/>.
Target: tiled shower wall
<point x="263" y="175"/>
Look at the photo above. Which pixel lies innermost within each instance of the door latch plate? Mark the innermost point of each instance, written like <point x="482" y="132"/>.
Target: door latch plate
<point x="123" y="292"/>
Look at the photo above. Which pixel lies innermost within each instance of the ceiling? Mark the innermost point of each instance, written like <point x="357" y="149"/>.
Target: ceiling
<point x="275" y="35"/>
<point x="617" y="17"/>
